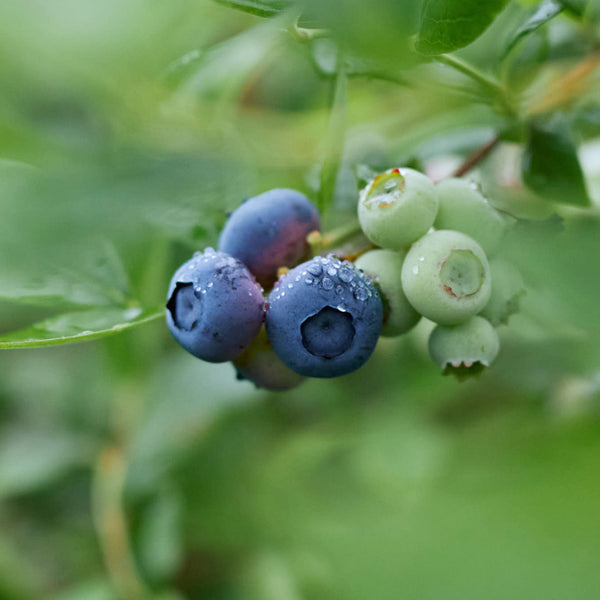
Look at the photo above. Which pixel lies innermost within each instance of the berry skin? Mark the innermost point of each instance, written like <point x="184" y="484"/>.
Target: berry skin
<point x="259" y="363"/>
<point x="215" y="307"/>
<point x="464" y="208"/>
<point x="269" y="231"/>
<point x="384" y="267"/>
<point x="397" y="208"/>
<point x="464" y="349"/>
<point x="507" y="289"/>
<point x="446" y="277"/>
<point x="324" y="318"/>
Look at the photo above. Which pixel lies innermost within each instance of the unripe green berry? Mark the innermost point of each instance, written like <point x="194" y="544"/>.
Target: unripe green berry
<point x="464" y="208"/>
<point x="464" y="349"/>
<point x="446" y="277"/>
<point x="507" y="290"/>
<point x="384" y="267"/>
<point x="397" y="208"/>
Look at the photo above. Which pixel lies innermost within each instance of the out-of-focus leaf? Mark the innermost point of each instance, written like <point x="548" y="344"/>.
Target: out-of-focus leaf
<point x="262" y="8"/>
<point x="79" y="326"/>
<point x="96" y="278"/>
<point x="447" y="25"/>
<point x="223" y="69"/>
<point x="546" y="11"/>
<point x="577" y="7"/>
<point x="324" y="54"/>
<point x="550" y="164"/>
<point x="378" y="30"/>
<point x="32" y="459"/>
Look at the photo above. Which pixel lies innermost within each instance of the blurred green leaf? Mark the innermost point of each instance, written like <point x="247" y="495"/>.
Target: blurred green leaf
<point x="550" y="164"/>
<point x="223" y="69"/>
<point x="97" y="278"/>
<point x="545" y="11"/>
<point x="262" y="8"/>
<point x="79" y="326"/>
<point x="447" y="25"/>
<point x="577" y="7"/>
<point x="31" y="459"/>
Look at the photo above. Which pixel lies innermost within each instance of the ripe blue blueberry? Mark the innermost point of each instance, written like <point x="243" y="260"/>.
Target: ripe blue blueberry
<point x="324" y="318"/>
<point x="215" y="308"/>
<point x="269" y="231"/>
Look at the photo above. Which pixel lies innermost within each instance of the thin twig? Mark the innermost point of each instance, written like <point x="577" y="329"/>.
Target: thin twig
<point x="474" y="159"/>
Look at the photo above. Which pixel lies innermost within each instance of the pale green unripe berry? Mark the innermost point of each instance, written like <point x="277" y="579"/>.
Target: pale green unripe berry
<point x="469" y="346"/>
<point x="507" y="290"/>
<point x="446" y="277"/>
<point x="397" y="208"/>
<point x="464" y="208"/>
<point x="384" y="267"/>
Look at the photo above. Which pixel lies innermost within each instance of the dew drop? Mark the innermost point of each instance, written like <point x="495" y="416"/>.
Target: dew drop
<point x="331" y="271"/>
<point x="339" y="289"/>
<point x="361" y="294"/>
<point x="415" y="269"/>
<point x="315" y="269"/>
<point x="290" y="285"/>
<point x="346" y="275"/>
<point x="327" y="283"/>
<point x="210" y="284"/>
<point x="309" y="280"/>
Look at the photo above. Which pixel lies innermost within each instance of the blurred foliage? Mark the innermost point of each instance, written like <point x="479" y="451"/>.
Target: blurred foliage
<point x="130" y="470"/>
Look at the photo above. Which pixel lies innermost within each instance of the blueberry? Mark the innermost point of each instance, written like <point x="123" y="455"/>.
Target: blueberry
<point x="269" y="231"/>
<point x="464" y="208"/>
<point x="385" y="268"/>
<point x="446" y="277"/>
<point x="464" y="349"/>
<point x="324" y="318"/>
<point x="259" y="363"/>
<point x="507" y="290"/>
<point x="397" y="208"/>
<point x="215" y="307"/>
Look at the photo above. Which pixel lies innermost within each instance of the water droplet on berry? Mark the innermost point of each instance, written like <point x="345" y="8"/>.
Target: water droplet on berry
<point x="415" y="269"/>
<point x="309" y="280"/>
<point x="315" y="269"/>
<point x="327" y="283"/>
<point x="346" y="275"/>
<point x="361" y="294"/>
<point x="339" y="289"/>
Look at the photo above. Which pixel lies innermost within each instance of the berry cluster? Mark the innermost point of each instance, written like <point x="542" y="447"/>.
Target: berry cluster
<point x="322" y="316"/>
<point x="437" y="240"/>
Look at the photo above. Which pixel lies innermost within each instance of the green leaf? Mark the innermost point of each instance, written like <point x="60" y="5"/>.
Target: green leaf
<point x="262" y="8"/>
<point x="447" y="25"/>
<point x="79" y="326"/>
<point x="545" y="11"/>
<point x="30" y="460"/>
<point x="550" y="164"/>
<point x="577" y="7"/>
<point x="223" y="69"/>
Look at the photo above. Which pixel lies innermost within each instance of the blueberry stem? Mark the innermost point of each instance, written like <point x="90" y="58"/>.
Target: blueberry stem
<point x="335" y="137"/>
<point x="322" y="241"/>
<point x="474" y="159"/>
<point x="490" y="84"/>
<point x="111" y="523"/>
